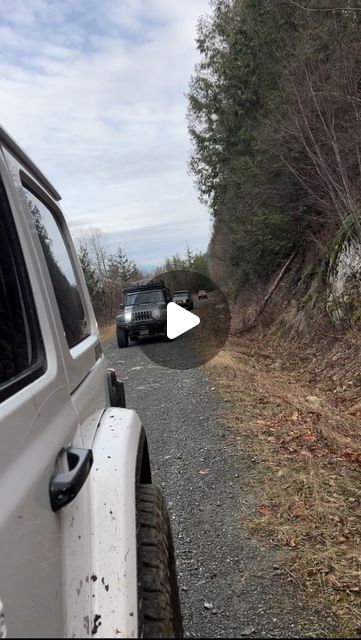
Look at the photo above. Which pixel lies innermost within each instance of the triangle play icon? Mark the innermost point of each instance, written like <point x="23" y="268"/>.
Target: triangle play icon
<point x="179" y="320"/>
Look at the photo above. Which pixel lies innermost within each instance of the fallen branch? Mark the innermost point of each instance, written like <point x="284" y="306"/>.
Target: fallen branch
<point x="270" y="292"/>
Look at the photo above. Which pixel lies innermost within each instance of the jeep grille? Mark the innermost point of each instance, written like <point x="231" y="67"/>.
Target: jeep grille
<point x="142" y="315"/>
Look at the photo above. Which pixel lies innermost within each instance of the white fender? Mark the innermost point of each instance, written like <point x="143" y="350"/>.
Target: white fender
<point x="114" y="601"/>
<point x="100" y="538"/>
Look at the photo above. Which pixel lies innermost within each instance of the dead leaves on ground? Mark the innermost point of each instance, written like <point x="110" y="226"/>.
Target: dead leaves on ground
<point x="352" y="455"/>
<point x="269" y="510"/>
<point x="307" y="478"/>
<point x="293" y="433"/>
<point x="297" y="434"/>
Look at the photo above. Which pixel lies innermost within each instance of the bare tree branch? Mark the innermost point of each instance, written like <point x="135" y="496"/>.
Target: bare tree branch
<point x="321" y="9"/>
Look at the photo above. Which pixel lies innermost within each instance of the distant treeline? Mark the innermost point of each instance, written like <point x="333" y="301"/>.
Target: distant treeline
<point x="188" y="271"/>
<point x="274" y="116"/>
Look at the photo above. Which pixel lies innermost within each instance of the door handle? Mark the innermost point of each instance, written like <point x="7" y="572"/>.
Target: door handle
<point x="73" y="466"/>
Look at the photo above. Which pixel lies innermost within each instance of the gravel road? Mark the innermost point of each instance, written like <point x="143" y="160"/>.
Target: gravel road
<point x="231" y="585"/>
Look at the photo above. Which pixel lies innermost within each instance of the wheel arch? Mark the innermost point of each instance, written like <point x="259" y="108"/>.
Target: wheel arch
<point x="143" y="468"/>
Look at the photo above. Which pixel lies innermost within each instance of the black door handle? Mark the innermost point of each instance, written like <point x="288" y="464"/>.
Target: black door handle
<point x="73" y="466"/>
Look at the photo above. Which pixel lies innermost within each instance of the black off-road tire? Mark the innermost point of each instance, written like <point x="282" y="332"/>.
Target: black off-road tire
<point x="122" y="338"/>
<point x="159" y="603"/>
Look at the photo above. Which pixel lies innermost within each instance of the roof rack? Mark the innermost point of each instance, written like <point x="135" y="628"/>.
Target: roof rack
<point x="144" y="285"/>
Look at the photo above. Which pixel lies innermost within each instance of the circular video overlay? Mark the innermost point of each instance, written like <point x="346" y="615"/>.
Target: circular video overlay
<point x="183" y="321"/>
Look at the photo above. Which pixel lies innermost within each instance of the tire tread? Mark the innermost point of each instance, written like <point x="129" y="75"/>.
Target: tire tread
<point x="160" y="605"/>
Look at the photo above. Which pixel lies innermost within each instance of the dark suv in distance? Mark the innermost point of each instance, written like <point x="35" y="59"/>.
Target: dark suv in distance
<point x="184" y="299"/>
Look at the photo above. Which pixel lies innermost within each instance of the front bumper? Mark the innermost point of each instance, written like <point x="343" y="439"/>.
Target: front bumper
<point x="151" y="326"/>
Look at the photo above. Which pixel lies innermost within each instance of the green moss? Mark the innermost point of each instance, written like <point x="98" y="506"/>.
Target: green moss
<point x="334" y="251"/>
<point x="306" y="278"/>
<point x="356" y="316"/>
<point x="307" y="299"/>
<point x="348" y="229"/>
<point x="323" y="268"/>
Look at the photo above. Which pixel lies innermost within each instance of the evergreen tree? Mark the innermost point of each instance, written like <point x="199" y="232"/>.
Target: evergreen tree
<point x="91" y="279"/>
<point x="274" y="112"/>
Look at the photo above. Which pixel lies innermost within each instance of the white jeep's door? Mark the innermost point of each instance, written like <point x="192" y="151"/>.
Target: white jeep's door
<point x="37" y="422"/>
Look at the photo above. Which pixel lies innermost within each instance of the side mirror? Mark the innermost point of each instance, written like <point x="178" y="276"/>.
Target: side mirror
<point x="121" y="306"/>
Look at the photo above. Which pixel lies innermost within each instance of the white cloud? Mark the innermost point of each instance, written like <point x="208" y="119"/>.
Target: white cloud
<point x="95" y="93"/>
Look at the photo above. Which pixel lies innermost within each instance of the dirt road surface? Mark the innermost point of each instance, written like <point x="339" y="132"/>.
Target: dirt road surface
<point x="231" y="585"/>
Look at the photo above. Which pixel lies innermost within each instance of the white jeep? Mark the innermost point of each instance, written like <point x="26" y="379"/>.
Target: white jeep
<point x="85" y="540"/>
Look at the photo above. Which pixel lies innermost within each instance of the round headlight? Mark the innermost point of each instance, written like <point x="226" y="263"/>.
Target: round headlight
<point x="128" y="316"/>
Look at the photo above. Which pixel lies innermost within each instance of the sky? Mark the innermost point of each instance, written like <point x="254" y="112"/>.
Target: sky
<point x="95" y="92"/>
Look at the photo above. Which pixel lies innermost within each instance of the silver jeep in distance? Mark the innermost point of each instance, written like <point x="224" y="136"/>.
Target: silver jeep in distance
<point x="85" y="540"/>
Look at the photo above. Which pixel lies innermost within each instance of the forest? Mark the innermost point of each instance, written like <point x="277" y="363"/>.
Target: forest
<point x="274" y="111"/>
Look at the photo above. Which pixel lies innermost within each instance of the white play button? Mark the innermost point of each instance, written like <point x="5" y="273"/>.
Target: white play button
<point x="179" y="320"/>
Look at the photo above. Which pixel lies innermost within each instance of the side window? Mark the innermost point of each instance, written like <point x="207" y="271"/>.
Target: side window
<point x="21" y="353"/>
<point x="61" y="270"/>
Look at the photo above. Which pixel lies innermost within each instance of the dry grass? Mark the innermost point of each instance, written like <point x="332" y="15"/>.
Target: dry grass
<point x="212" y="332"/>
<point x="107" y="332"/>
<point x="307" y="479"/>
